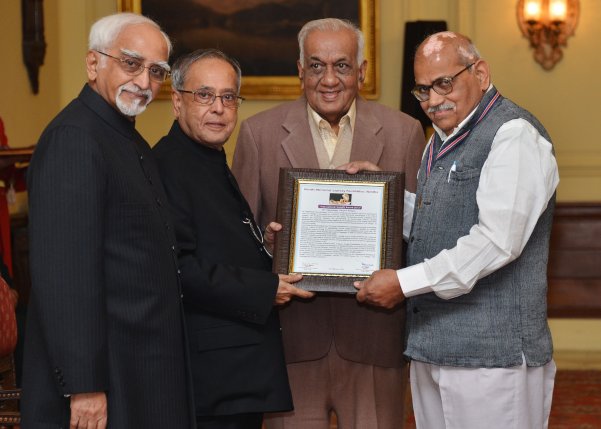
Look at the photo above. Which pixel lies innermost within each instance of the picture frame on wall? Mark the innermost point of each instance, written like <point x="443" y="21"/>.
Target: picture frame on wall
<point x="261" y="35"/>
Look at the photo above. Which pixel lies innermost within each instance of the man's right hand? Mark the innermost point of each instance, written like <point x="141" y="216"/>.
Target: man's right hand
<point x="286" y="290"/>
<point x="88" y="411"/>
<point x="381" y="289"/>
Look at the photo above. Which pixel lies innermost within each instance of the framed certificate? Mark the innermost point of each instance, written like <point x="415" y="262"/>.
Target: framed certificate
<point x="338" y="227"/>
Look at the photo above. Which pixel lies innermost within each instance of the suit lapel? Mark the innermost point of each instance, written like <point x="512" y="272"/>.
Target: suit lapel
<point x="298" y="145"/>
<point x="367" y="142"/>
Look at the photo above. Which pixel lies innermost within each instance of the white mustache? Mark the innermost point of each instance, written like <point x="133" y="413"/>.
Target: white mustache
<point x="136" y="106"/>
<point x="135" y="89"/>
<point x="440" y="107"/>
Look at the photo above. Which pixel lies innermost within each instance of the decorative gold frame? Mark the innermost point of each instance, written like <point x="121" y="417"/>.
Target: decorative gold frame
<point x="288" y="87"/>
<point x="391" y="255"/>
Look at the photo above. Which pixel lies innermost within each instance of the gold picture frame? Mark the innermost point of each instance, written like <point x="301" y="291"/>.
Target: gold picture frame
<point x="287" y="86"/>
<point x="328" y="183"/>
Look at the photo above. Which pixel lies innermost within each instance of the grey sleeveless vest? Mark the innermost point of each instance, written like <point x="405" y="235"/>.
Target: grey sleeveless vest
<point x="505" y="314"/>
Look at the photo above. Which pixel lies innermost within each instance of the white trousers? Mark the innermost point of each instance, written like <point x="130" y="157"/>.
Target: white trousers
<point x="446" y="397"/>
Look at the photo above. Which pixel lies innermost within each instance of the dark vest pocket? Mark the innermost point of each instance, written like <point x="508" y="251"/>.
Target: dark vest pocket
<point x="462" y="175"/>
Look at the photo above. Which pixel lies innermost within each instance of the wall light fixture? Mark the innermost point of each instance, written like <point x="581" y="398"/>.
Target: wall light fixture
<point x="548" y="24"/>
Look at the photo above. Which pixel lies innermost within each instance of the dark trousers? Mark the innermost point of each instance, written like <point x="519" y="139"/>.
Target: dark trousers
<point x="234" y="421"/>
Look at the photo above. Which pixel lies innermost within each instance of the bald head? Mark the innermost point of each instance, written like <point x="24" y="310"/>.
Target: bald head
<point x="453" y="59"/>
<point x="448" y="43"/>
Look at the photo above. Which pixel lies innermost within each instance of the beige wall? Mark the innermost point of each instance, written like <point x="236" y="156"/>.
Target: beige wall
<point x="563" y="99"/>
<point x="492" y="25"/>
<point x="566" y="113"/>
<point x="25" y="114"/>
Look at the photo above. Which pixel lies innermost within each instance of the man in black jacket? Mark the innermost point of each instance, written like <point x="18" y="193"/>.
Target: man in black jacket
<point x="105" y="343"/>
<point x="229" y="291"/>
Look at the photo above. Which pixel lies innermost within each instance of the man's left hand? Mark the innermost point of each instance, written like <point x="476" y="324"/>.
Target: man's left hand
<point x="269" y="236"/>
<point x="355" y="167"/>
<point x="381" y="289"/>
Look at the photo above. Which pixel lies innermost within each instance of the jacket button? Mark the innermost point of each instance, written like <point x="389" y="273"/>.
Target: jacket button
<point x="412" y="239"/>
<point x="415" y="310"/>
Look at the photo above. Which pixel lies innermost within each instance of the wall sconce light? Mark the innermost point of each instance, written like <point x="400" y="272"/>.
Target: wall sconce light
<point x="548" y="24"/>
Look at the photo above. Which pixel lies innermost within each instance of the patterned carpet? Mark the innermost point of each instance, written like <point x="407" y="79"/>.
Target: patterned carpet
<point x="576" y="400"/>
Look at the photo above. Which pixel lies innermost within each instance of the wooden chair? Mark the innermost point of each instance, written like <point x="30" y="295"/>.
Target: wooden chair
<point x="9" y="394"/>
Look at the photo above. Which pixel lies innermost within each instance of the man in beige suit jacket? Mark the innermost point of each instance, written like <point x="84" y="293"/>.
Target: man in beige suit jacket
<point x="342" y="356"/>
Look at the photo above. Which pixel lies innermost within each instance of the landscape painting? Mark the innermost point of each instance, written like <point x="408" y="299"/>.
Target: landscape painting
<point x="260" y="34"/>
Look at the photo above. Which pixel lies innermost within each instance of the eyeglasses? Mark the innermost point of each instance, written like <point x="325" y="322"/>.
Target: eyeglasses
<point x="205" y="97"/>
<point x="133" y="66"/>
<point x="256" y="233"/>
<point x="441" y="86"/>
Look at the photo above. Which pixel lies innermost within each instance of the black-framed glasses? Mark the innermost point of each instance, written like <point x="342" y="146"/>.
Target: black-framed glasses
<point x="134" y="66"/>
<point x="202" y="96"/>
<point x="441" y="86"/>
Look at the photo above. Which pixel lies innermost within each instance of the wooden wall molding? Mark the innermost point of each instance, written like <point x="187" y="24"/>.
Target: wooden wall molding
<point x="574" y="270"/>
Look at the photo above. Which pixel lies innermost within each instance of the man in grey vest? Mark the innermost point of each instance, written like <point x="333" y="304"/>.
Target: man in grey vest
<point x="475" y="285"/>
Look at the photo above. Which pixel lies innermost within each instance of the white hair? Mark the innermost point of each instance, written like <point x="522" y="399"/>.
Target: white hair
<point x="104" y="31"/>
<point x="179" y="71"/>
<point x="330" y="24"/>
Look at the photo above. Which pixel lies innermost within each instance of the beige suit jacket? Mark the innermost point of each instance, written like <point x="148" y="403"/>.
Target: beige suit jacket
<point x="281" y="138"/>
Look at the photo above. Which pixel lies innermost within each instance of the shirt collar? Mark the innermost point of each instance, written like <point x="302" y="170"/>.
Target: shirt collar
<point x="208" y="153"/>
<point x="351" y="115"/>
<point x="95" y="102"/>
<point x="441" y="133"/>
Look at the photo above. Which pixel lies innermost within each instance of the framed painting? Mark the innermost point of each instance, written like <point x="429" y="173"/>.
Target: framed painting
<point x="261" y="35"/>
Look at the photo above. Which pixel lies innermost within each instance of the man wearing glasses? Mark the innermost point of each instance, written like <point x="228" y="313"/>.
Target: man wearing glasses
<point x="476" y="286"/>
<point x="229" y="290"/>
<point x="105" y="340"/>
<point x="343" y="357"/>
